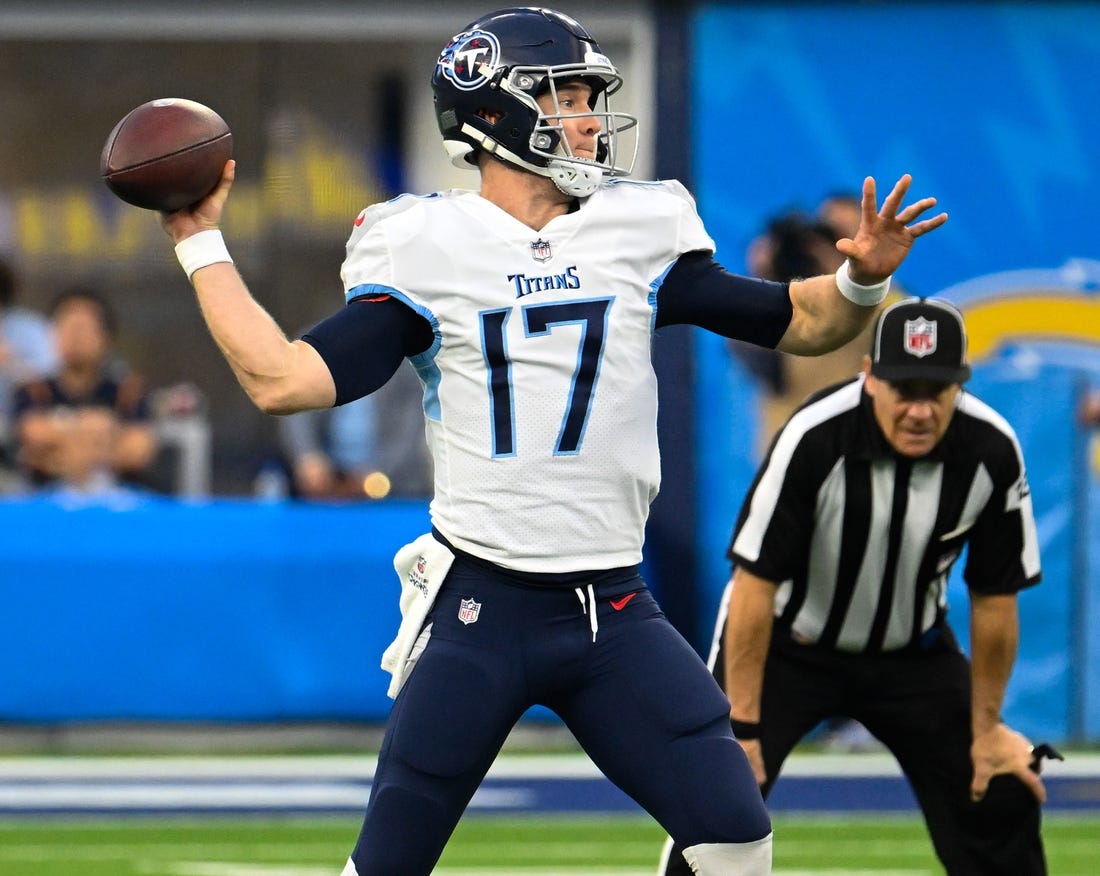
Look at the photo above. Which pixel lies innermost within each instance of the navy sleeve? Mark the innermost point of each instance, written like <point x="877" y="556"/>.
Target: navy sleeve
<point x="699" y="291"/>
<point x="364" y="343"/>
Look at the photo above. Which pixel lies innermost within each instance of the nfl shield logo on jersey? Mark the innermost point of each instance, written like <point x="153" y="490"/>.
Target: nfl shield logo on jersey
<point x="468" y="611"/>
<point x="540" y="250"/>
<point x="920" y="337"/>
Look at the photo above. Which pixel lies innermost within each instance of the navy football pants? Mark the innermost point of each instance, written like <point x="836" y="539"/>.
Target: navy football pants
<point x="638" y="699"/>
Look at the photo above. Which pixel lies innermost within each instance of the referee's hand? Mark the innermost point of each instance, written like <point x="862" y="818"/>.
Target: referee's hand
<point x="1003" y="751"/>
<point x="756" y="758"/>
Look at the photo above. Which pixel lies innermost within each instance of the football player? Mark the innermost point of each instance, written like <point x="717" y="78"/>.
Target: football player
<point x="528" y="307"/>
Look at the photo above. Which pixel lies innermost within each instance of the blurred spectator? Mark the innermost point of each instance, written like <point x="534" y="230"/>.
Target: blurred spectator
<point x="372" y="448"/>
<point x="841" y="212"/>
<point x="88" y="376"/>
<point x="87" y="439"/>
<point x="1089" y="411"/>
<point x="26" y="353"/>
<point x="793" y="245"/>
<point x="1088" y="414"/>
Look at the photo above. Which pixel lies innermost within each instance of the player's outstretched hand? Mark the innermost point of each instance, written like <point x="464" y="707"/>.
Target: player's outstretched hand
<point x="206" y="215"/>
<point x="885" y="236"/>
<point x="1001" y="751"/>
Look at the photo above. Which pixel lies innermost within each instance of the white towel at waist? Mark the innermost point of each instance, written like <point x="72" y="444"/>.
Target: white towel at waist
<point x="421" y="567"/>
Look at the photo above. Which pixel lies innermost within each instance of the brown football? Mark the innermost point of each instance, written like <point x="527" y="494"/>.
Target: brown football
<point x="166" y="154"/>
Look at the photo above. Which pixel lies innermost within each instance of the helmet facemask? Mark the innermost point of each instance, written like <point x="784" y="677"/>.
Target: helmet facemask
<point x="577" y="176"/>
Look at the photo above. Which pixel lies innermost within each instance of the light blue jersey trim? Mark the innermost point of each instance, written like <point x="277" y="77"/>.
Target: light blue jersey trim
<point x="654" y="287"/>
<point x="642" y="183"/>
<point x="424" y="362"/>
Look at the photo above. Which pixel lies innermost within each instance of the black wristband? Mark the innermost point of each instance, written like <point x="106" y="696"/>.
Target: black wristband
<point x="745" y="729"/>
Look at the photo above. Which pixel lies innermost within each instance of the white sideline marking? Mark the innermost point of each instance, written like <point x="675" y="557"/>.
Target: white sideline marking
<point x="214" y="795"/>
<point x="215" y="868"/>
<point x="342" y="767"/>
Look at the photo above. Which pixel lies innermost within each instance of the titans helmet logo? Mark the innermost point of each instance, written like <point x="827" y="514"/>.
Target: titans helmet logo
<point x="470" y="59"/>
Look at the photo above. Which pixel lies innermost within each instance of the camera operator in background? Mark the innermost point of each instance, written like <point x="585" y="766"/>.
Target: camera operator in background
<point x="792" y="245"/>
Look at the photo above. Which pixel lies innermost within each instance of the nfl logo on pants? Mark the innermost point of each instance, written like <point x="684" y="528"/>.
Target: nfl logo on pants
<point x="468" y="611"/>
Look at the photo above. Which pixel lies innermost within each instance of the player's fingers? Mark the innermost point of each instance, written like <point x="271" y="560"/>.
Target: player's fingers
<point x="869" y="204"/>
<point x="897" y="194"/>
<point x="926" y="225"/>
<point x="229" y="173"/>
<point x="915" y="209"/>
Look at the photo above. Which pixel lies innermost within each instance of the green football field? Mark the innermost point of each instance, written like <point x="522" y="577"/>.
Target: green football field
<point x="482" y="846"/>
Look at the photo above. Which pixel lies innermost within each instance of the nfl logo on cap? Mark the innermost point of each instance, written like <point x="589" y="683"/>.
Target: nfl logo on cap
<point x="920" y="337"/>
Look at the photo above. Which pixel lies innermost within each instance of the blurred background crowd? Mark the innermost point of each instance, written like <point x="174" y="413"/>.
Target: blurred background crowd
<point x="111" y="391"/>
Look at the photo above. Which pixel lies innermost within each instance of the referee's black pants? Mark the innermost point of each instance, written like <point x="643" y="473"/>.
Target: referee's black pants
<point x="918" y="705"/>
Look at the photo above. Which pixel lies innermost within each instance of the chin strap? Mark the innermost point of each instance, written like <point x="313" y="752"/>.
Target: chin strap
<point x="575" y="180"/>
<point x="573" y="177"/>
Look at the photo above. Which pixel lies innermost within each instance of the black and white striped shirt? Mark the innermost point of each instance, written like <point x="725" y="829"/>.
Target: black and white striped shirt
<point x="861" y="540"/>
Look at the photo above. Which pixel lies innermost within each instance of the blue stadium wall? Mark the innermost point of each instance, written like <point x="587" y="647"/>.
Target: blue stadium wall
<point x="988" y="107"/>
<point x="235" y="611"/>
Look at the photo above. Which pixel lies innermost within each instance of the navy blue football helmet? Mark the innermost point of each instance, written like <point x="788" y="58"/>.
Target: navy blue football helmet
<point x="486" y="82"/>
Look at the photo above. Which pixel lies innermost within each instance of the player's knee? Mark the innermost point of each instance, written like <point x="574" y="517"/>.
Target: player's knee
<point x="404" y="831"/>
<point x="721" y="800"/>
<point x="721" y="859"/>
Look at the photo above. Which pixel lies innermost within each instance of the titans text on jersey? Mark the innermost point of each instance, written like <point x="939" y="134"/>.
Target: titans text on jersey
<point x="525" y="285"/>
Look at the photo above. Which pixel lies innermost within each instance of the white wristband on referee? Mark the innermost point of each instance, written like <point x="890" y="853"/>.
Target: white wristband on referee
<point x="200" y="250"/>
<point x="864" y="296"/>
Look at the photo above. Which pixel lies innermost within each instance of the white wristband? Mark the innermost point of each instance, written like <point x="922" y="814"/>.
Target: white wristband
<point x="200" y="250"/>
<point x="864" y="296"/>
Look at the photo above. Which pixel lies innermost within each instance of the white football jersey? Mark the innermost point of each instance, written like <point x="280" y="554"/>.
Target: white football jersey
<point x="540" y="395"/>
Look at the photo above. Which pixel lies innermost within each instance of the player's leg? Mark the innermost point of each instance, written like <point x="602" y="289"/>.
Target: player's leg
<point x="464" y="687"/>
<point x="921" y="711"/>
<point x="801" y="687"/>
<point x="653" y="719"/>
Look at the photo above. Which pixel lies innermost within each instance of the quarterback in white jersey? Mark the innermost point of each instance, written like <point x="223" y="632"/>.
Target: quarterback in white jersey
<point x="542" y="400"/>
<point x="528" y="308"/>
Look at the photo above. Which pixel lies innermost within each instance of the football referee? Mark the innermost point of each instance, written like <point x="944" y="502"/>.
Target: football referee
<point x="837" y="607"/>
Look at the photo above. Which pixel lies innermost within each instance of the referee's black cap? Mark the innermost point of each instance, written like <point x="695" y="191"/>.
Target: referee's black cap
<point x="920" y="339"/>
